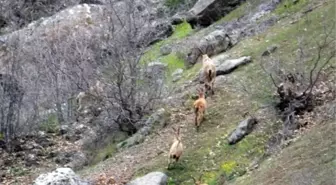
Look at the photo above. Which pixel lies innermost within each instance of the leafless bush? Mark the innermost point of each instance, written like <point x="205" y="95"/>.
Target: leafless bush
<point x="297" y="83"/>
<point x="56" y="65"/>
<point x="130" y="93"/>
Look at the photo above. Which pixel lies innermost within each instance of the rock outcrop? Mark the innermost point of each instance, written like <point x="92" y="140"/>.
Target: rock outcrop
<point x="244" y="128"/>
<point x="225" y="66"/>
<point x="153" y="178"/>
<point x="61" y="176"/>
<point x="159" y="119"/>
<point x="205" y="12"/>
<point x="229" y="65"/>
<point x="212" y="44"/>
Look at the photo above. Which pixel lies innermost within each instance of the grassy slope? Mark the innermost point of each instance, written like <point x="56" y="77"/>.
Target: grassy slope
<point x="208" y="149"/>
<point x="310" y="160"/>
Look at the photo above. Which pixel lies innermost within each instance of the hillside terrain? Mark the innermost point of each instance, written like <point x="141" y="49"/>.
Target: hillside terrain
<point x="256" y="46"/>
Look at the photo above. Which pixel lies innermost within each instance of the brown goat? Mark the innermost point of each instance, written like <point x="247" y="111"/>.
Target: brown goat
<point x="209" y="71"/>
<point x="176" y="148"/>
<point x="199" y="181"/>
<point x="199" y="107"/>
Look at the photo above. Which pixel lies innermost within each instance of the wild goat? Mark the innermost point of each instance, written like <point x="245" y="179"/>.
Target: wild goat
<point x="209" y="72"/>
<point x="199" y="106"/>
<point x="199" y="181"/>
<point x="176" y="149"/>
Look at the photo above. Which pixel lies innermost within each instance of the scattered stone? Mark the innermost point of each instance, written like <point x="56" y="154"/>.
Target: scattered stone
<point x="63" y="158"/>
<point x="31" y="160"/>
<point x="270" y="50"/>
<point x="165" y="50"/>
<point x="153" y="178"/>
<point x="244" y="128"/>
<point x="64" y="129"/>
<point x="77" y="160"/>
<point x="177" y="75"/>
<point x="61" y="176"/>
<point x="230" y="65"/>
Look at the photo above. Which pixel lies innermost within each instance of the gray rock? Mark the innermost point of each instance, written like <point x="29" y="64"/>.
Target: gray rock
<point x="230" y="65"/>
<point x="155" y="69"/>
<point x="64" y="129"/>
<point x="165" y="50"/>
<point x="270" y="50"/>
<point x="153" y="178"/>
<point x="31" y="160"/>
<point x="177" y="75"/>
<point x="212" y="44"/>
<point x="61" y="176"/>
<point x="205" y="12"/>
<point x="177" y="72"/>
<point x="154" y="32"/>
<point x="78" y="159"/>
<point x="244" y="128"/>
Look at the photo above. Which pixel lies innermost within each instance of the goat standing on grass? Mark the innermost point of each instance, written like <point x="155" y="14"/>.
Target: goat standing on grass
<point x="176" y="149"/>
<point x="209" y="71"/>
<point x="199" y="106"/>
<point x="199" y="181"/>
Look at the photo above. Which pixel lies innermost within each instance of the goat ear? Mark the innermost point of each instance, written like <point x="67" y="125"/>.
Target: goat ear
<point x="193" y="179"/>
<point x="200" y="178"/>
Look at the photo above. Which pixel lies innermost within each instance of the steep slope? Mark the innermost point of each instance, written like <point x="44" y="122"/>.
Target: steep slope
<point x="248" y="89"/>
<point x="309" y="160"/>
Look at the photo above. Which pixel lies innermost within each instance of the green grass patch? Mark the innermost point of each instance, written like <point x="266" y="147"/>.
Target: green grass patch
<point x="106" y="148"/>
<point x="212" y="152"/>
<point x="174" y="60"/>
<point x="286" y="36"/>
<point x="291" y="6"/>
<point x="235" y="14"/>
<point x="242" y="10"/>
<point x="104" y="153"/>
<point x="208" y="149"/>
<point x="50" y="125"/>
<point x="173" y="3"/>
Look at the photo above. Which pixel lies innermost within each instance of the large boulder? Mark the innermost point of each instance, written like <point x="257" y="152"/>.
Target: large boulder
<point x="244" y="128"/>
<point x="212" y="44"/>
<point x="205" y="12"/>
<point x="229" y="65"/>
<point x="153" y="178"/>
<point x="225" y="66"/>
<point x="61" y="176"/>
<point x="177" y="74"/>
<point x="154" y="32"/>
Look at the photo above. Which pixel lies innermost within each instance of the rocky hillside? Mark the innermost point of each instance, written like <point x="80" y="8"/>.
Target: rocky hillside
<point x="271" y="119"/>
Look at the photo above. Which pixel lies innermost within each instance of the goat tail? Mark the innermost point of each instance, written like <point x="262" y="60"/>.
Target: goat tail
<point x="210" y="75"/>
<point x="196" y="114"/>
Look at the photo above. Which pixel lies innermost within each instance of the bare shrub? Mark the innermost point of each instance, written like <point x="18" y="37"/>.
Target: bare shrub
<point x="130" y="93"/>
<point x="54" y="66"/>
<point x="298" y="83"/>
